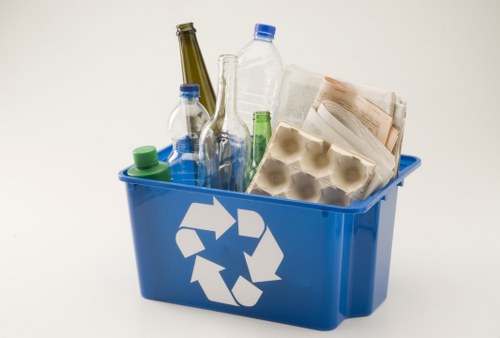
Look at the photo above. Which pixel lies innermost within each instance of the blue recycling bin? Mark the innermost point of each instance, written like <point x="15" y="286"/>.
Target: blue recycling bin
<point x="293" y="262"/>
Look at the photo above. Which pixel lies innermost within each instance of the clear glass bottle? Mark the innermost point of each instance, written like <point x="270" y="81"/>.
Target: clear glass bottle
<point x="193" y="65"/>
<point x="224" y="160"/>
<point x="261" y="134"/>
<point x="184" y="127"/>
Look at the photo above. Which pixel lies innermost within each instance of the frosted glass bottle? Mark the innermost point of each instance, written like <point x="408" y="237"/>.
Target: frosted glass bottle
<point x="184" y="126"/>
<point x="259" y="75"/>
<point x="224" y="160"/>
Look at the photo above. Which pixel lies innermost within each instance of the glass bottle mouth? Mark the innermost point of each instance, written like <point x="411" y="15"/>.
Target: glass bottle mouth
<point x="185" y="27"/>
<point x="262" y="116"/>
<point x="228" y="58"/>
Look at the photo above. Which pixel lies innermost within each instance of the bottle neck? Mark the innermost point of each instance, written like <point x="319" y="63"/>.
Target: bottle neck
<point x="261" y="127"/>
<point x="226" y="95"/>
<point x="190" y="52"/>
<point x="261" y="135"/>
<point x="262" y="122"/>
<point x="185" y="145"/>
<point x="193" y="65"/>
<point x="263" y="38"/>
<point x="189" y="99"/>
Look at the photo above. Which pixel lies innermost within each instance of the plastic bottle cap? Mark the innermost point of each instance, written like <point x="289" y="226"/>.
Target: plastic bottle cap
<point x="145" y="157"/>
<point x="190" y="90"/>
<point x="264" y="31"/>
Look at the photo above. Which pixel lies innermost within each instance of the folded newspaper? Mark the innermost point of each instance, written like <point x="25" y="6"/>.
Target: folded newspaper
<point x="369" y="121"/>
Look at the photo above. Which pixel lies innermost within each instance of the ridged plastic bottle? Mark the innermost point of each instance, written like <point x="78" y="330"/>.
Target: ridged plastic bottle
<point x="259" y="75"/>
<point x="184" y="127"/>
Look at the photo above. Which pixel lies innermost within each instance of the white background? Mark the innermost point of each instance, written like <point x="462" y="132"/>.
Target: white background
<point x="82" y="83"/>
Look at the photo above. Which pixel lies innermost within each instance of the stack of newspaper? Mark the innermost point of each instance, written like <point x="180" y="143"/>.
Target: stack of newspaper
<point x="365" y="120"/>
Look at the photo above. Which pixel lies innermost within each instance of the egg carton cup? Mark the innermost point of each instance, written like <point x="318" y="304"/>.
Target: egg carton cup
<point x="300" y="166"/>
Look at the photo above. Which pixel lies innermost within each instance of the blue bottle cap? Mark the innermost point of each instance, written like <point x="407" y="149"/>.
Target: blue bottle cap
<point x="264" y="31"/>
<point x="190" y="90"/>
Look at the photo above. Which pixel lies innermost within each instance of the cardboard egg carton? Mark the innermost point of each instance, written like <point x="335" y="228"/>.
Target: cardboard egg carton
<point x="304" y="167"/>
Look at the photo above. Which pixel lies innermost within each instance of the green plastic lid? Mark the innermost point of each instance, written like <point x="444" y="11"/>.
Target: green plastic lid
<point x="145" y="157"/>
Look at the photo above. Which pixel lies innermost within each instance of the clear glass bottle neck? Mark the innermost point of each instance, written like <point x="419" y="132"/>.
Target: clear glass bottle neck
<point x="226" y="94"/>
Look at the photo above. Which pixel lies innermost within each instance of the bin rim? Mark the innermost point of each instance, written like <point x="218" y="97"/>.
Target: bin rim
<point x="407" y="165"/>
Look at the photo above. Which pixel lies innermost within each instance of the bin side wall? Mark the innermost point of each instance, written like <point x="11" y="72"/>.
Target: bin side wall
<point x="384" y="246"/>
<point x="308" y="292"/>
<point x="369" y="253"/>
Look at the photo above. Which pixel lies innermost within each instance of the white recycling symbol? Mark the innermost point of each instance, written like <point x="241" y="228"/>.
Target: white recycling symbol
<point x="262" y="265"/>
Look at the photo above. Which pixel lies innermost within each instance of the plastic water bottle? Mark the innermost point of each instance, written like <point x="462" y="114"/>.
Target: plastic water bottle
<point x="259" y="75"/>
<point x="184" y="126"/>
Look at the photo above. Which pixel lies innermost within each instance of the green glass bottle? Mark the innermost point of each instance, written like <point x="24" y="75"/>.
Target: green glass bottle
<point x="193" y="65"/>
<point x="261" y="134"/>
<point x="147" y="165"/>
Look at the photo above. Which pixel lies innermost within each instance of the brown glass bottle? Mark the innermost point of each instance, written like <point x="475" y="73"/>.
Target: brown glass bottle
<point x="193" y="65"/>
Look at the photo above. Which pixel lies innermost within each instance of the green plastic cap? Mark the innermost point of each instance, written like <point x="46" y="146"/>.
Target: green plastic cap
<point x="145" y="157"/>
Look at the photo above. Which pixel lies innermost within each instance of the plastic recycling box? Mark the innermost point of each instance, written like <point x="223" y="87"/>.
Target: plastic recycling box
<point x="304" y="264"/>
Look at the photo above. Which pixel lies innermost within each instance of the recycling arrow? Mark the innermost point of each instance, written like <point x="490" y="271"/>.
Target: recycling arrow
<point x="250" y="223"/>
<point x="208" y="217"/>
<point x="262" y="264"/>
<point x="207" y="274"/>
<point x="265" y="260"/>
<point x="245" y="292"/>
<point x="188" y="242"/>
